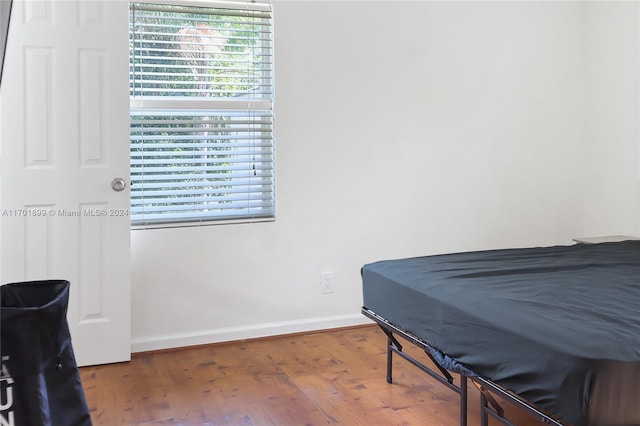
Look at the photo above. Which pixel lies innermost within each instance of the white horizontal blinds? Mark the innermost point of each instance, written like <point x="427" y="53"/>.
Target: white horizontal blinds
<point x="192" y="165"/>
<point x="186" y="51"/>
<point x="201" y="113"/>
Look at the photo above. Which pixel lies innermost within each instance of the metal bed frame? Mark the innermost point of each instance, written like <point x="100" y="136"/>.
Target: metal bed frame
<point x="489" y="406"/>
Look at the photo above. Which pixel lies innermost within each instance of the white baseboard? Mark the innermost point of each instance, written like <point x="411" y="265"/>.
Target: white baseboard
<point x="245" y="332"/>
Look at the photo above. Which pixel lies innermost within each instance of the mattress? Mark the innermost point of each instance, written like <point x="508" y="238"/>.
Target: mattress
<point x="555" y="325"/>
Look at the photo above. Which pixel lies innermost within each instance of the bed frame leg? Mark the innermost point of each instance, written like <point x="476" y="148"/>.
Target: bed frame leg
<point x="392" y="343"/>
<point x="484" y="417"/>
<point x="389" y="361"/>
<point x="486" y="399"/>
<point x="463" y="400"/>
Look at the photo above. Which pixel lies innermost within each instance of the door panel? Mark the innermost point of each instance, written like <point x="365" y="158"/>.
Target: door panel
<point x="64" y="135"/>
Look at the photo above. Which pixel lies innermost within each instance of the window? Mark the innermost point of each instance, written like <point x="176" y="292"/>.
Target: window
<point x="201" y="104"/>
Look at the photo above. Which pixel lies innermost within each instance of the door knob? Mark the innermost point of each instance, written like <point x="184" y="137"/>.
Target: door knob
<point x="118" y="184"/>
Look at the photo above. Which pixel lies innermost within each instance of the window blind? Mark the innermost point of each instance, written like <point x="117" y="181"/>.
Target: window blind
<point x="201" y="112"/>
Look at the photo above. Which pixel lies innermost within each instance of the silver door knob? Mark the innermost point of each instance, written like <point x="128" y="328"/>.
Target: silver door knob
<point x="118" y="184"/>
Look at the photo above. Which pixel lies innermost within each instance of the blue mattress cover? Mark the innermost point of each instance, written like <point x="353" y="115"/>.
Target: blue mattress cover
<point x="541" y="322"/>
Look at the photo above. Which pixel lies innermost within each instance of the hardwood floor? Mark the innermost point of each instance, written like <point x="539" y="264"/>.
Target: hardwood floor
<point x="331" y="377"/>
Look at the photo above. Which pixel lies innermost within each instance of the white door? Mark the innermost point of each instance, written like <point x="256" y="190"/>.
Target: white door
<point x="64" y="129"/>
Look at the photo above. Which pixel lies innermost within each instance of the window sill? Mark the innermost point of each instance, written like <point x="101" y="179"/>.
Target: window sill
<point x="202" y="223"/>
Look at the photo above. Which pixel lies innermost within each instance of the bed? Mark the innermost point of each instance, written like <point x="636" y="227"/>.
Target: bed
<point x="555" y="330"/>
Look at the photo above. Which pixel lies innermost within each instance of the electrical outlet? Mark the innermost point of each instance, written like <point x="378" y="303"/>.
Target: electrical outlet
<point x="327" y="283"/>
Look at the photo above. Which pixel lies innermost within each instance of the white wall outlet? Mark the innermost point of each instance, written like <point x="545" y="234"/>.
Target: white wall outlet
<point x="327" y="283"/>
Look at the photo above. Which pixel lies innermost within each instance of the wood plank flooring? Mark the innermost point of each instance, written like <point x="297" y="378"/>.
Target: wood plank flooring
<point x="325" y="378"/>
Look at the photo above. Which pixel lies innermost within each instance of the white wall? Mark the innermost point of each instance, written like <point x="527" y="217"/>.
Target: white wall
<point x="402" y="130"/>
<point x="611" y="70"/>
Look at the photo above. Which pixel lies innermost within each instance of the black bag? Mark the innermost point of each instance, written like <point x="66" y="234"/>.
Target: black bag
<point x="39" y="381"/>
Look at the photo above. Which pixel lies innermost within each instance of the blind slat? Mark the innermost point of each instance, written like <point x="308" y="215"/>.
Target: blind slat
<point x="204" y="8"/>
<point x="195" y="192"/>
